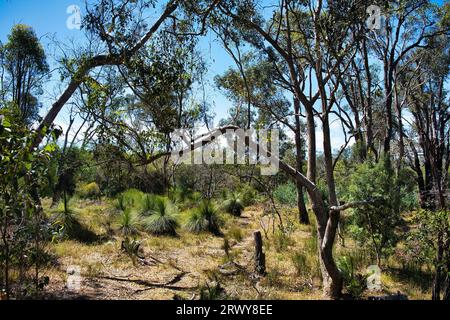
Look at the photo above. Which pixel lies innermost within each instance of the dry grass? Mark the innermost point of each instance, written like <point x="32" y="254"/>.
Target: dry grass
<point x="200" y="256"/>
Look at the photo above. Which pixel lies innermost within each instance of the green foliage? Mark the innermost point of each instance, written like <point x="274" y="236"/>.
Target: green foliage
<point x="354" y="283"/>
<point x="375" y="223"/>
<point x="129" y="222"/>
<point x="204" y="218"/>
<point x="212" y="291"/>
<point x="423" y="240"/>
<point x="286" y="194"/>
<point x="130" y="198"/>
<point x="162" y="219"/>
<point x="23" y="225"/>
<point x="147" y="204"/>
<point x="301" y="265"/>
<point x="26" y="68"/>
<point x="248" y="195"/>
<point x="88" y="191"/>
<point x="233" y="205"/>
<point x="131" y="248"/>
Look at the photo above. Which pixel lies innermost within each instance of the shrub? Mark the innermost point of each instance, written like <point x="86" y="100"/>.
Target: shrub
<point x="212" y="292"/>
<point x="132" y="197"/>
<point x="375" y="224"/>
<point x="286" y="194"/>
<point x="129" y="199"/>
<point x="162" y="220"/>
<point x="73" y="229"/>
<point x="120" y="202"/>
<point x="354" y="283"/>
<point x="88" y="191"/>
<point x="180" y="194"/>
<point x="248" y="195"/>
<point x="233" y="205"/>
<point x="148" y="204"/>
<point x="204" y="218"/>
<point x="306" y="264"/>
<point x="129" y="222"/>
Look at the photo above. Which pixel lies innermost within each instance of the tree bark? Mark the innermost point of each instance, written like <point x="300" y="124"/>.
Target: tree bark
<point x="260" y="257"/>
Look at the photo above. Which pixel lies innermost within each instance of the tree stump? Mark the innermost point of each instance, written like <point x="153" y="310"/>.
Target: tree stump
<point x="260" y="257"/>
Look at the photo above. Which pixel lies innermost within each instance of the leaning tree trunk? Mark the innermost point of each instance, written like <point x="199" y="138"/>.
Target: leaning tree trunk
<point x="326" y="232"/>
<point x="302" y="212"/>
<point x="327" y="224"/>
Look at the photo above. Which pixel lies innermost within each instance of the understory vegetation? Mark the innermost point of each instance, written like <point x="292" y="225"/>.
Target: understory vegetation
<point x="338" y="188"/>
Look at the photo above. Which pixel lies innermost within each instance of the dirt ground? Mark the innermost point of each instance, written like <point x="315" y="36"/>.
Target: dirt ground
<point x="180" y="267"/>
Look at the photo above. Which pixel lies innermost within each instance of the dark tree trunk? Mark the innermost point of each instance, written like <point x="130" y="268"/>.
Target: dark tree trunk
<point x="260" y="257"/>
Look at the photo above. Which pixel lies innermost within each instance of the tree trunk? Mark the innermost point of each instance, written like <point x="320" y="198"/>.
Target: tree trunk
<point x="302" y="212"/>
<point x="260" y="258"/>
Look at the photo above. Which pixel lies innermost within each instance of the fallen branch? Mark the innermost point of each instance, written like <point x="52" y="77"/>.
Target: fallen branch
<point x="152" y="285"/>
<point x="349" y="205"/>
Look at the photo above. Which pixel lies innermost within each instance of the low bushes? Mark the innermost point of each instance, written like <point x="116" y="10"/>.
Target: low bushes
<point x="204" y="218"/>
<point x="88" y="191"/>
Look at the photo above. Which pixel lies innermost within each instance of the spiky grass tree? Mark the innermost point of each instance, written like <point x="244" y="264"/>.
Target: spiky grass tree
<point x="163" y="218"/>
<point x="129" y="222"/>
<point x="204" y="218"/>
<point x="233" y="205"/>
<point x="148" y="204"/>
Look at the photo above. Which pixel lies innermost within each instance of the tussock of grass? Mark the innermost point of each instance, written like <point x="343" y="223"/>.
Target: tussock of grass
<point x="235" y="233"/>
<point x="233" y="205"/>
<point x="162" y="219"/>
<point x="204" y="218"/>
<point x="129" y="222"/>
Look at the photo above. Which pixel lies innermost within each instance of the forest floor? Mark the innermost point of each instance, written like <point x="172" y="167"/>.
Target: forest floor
<point x="181" y="267"/>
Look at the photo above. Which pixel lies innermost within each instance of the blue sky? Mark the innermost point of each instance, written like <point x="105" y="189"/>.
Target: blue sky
<point x="49" y="20"/>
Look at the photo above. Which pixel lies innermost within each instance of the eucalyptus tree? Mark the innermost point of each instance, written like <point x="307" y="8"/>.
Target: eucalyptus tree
<point x="428" y="147"/>
<point x="122" y="28"/>
<point x="307" y="42"/>
<point x="24" y="69"/>
<point x="407" y="27"/>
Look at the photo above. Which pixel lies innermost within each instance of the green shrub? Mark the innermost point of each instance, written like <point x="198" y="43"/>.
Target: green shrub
<point x="180" y="194"/>
<point x="248" y="195"/>
<point x="233" y="205"/>
<point x="286" y="194"/>
<point x="212" y="292"/>
<point x="88" y="191"/>
<point x="120" y="203"/>
<point x="162" y="219"/>
<point x="131" y="248"/>
<point x="354" y="283"/>
<point x="129" y="222"/>
<point x="375" y="224"/>
<point x="148" y="204"/>
<point x="204" y="218"/>
<point x="132" y="198"/>
<point x="71" y="228"/>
